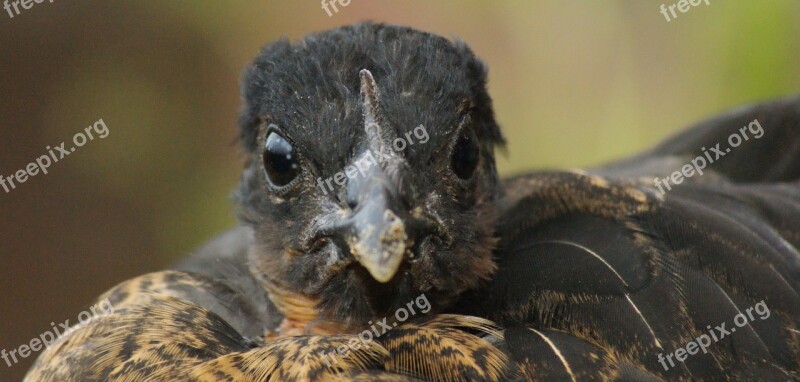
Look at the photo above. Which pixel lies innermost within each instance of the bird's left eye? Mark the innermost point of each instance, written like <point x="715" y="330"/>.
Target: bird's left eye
<point x="465" y="155"/>
<point x="280" y="163"/>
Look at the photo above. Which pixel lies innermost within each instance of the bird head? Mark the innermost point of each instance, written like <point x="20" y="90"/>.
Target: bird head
<point x="370" y="178"/>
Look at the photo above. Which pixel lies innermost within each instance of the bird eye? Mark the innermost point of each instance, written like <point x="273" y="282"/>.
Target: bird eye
<point x="465" y="154"/>
<point x="279" y="163"/>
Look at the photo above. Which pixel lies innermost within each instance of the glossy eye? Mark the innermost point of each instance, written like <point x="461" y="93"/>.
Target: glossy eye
<point x="465" y="154"/>
<point x="280" y="163"/>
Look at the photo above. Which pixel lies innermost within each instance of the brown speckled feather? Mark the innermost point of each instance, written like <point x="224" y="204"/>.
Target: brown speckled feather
<point x="154" y="335"/>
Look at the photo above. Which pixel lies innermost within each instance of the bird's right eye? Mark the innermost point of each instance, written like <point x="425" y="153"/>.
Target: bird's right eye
<point x="280" y="163"/>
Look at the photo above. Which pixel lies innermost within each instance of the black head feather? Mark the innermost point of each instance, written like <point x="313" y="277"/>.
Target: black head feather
<point x="309" y="237"/>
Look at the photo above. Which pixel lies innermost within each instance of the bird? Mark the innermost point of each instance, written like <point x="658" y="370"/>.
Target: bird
<point x="370" y="188"/>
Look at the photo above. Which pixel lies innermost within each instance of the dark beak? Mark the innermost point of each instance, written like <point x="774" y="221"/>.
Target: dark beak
<point x="378" y="239"/>
<point x="375" y="232"/>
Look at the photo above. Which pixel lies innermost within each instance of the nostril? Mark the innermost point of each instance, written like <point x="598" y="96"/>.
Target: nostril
<point x="349" y="198"/>
<point x="319" y="244"/>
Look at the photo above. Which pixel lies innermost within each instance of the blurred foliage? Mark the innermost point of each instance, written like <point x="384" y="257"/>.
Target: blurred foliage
<point x="575" y="83"/>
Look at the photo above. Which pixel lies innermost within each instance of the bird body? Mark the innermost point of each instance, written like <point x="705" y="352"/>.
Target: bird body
<point x="547" y="276"/>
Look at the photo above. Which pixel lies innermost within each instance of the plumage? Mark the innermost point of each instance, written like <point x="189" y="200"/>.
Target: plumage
<point x="575" y="275"/>
<point x="604" y="256"/>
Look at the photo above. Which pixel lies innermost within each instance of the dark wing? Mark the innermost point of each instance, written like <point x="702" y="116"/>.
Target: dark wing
<point x="602" y="277"/>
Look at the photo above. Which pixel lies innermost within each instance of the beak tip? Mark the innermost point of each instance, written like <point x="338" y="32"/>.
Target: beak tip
<point x="382" y="277"/>
<point x="382" y="269"/>
<point x="380" y="247"/>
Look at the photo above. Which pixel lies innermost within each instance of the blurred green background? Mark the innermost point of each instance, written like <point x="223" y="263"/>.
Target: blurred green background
<point x="575" y="83"/>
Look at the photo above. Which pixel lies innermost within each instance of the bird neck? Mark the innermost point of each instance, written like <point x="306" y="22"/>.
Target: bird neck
<point x="300" y="314"/>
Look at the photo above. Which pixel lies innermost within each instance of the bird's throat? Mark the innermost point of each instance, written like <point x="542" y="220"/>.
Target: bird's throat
<point x="300" y="315"/>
